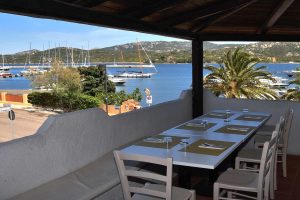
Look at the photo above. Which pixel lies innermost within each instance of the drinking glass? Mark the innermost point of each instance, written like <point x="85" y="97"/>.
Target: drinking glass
<point x="204" y="122"/>
<point x="167" y="140"/>
<point x="227" y="116"/>
<point x="185" y="142"/>
<point x="245" y="110"/>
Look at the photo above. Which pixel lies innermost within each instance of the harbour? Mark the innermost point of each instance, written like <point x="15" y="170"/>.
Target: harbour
<point x="165" y="85"/>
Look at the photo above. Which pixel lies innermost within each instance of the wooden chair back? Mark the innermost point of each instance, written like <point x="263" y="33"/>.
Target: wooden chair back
<point x="126" y="173"/>
<point x="266" y="166"/>
<point x="287" y="129"/>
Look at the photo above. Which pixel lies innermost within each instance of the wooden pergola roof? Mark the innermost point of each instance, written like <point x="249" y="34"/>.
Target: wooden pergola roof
<point x="277" y="20"/>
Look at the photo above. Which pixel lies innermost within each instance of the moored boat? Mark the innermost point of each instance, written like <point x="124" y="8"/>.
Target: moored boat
<point x="277" y="82"/>
<point x="4" y="74"/>
<point x="134" y="74"/>
<point x="291" y="73"/>
<point x="116" y="80"/>
<point x="139" y="67"/>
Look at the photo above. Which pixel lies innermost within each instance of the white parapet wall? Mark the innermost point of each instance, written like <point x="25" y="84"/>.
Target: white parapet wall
<point x="70" y="141"/>
<point x="277" y="108"/>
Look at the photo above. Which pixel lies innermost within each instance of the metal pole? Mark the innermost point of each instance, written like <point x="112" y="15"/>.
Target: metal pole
<point x="106" y="103"/>
<point x="12" y="130"/>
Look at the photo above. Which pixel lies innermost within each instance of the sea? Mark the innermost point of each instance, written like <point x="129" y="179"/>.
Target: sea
<point x="165" y="85"/>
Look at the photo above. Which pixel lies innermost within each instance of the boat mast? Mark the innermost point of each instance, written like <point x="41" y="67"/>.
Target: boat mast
<point x="72" y="58"/>
<point x="59" y="51"/>
<point x="67" y="56"/>
<point x="148" y="57"/>
<point x="88" y="55"/>
<point x="43" y="57"/>
<point x="49" y="54"/>
<point x="122" y="57"/>
<point x="55" y="52"/>
<point x="139" y="54"/>
<point x="83" y="60"/>
<point x="29" y="61"/>
<point x="2" y="61"/>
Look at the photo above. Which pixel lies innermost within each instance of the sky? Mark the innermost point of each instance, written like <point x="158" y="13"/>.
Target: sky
<point x="17" y="32"/>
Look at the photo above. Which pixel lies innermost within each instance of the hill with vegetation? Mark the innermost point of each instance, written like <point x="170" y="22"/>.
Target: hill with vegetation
<point x="159" y="52"/>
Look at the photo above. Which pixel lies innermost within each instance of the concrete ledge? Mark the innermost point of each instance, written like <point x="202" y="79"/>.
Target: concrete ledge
<point x="68" y="142"/>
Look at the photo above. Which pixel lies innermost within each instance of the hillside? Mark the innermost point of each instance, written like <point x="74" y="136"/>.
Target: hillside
<point x="159" y="52"/>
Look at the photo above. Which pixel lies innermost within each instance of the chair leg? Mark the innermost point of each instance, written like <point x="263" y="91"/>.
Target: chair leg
<point x="275" y="174"/>
<point x="193" y="196"/>
<point x="272" y="195"/>
<point x="216" y="191"/>
<point x="237" y="163"/>
<point x="284" y="165"/>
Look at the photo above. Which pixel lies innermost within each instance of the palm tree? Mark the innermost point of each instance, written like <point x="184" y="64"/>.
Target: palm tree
<point x="293" y="94"/>
<point x="237" y="77"/>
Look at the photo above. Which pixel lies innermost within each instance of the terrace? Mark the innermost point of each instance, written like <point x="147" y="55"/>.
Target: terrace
<point x="70" y="156"/>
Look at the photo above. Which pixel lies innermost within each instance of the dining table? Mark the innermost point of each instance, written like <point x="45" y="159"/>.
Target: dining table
<point x="203" y="142"/>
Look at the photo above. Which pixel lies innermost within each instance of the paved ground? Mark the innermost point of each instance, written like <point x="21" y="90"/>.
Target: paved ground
<point x="26" y="123"/>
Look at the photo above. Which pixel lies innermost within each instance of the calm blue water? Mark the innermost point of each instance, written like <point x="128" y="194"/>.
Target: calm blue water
<point x="166" y="85"/>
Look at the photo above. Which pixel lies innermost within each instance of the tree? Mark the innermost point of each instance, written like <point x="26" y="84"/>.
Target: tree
<point x="117" y="98"/>
<point x="93" y="80"/>
<point x="136" y="95"/>
<point x="238" y="77"/>
<point x="293" y="94"/>
<point x="59" y="79"/>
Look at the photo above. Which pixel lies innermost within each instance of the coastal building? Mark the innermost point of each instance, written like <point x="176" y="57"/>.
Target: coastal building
<point x="127" y="106"/>
<point x="16" y="98"/>
<point x="71" y="155"/>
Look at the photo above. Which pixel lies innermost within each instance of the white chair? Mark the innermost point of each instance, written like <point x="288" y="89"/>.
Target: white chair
<point x="249" y="159"/>
<point x="149" y="191"/>
<point x="267" y="129"/>
<point x="283" y="143"/>
<point x="233" y="183"/>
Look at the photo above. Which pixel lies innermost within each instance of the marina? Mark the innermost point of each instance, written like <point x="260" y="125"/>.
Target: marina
<point x="166" y="85"/>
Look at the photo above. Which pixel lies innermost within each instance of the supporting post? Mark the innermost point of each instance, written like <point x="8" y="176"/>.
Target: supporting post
<point x="197" y="74"/>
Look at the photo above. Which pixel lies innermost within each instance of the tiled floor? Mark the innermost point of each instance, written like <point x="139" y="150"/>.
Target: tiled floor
<point x="288" y="188"/>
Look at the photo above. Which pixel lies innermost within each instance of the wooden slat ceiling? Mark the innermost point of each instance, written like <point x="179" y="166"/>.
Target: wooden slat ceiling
<point x="190" y="19"/>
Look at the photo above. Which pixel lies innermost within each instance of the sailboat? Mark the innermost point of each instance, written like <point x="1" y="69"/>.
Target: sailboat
<point x="4" y="70"/>
<point x="140" y="66"/>
<point x="32" y="70"/>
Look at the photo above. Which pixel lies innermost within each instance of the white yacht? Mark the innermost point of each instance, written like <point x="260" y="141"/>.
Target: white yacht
<point x="116" y="80"/>
<point x="134" y="70"/>
<point x="277" y="82"/>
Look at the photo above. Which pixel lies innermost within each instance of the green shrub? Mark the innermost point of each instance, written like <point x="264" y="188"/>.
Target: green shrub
<point x="64" y="101"/>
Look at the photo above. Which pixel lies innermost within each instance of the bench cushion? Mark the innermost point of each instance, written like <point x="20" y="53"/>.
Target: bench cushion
<point x="85" y="183"/>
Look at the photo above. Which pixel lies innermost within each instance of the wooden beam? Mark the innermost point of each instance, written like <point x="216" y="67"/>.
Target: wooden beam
<point x="198" y="27"/>
<point x="197" y="75"/>
<point x="276" y="14"/>
<point x="250" y="37"/>
<point x="146" y="10"/>
<point x="54" y="9"/>
<point x="203" y="12"/>
<point x="89" y="3"/>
